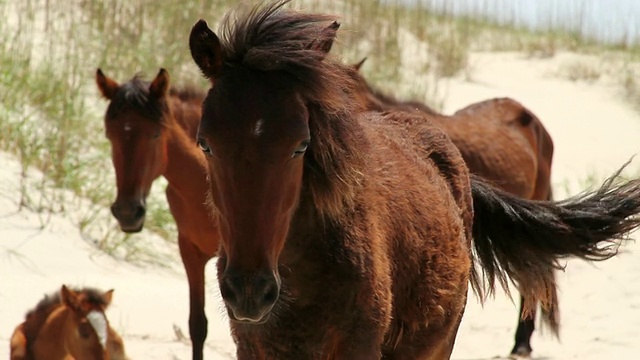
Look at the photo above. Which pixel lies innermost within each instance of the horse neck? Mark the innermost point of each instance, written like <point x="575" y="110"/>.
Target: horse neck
<point x="184" y="159"/>
<point x="52" y="335"/>
<point x="35" y="321"/>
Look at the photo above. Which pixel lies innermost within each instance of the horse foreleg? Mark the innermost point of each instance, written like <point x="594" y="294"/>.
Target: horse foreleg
<point x="194" y="263"/>
<point x="526" y="325"/>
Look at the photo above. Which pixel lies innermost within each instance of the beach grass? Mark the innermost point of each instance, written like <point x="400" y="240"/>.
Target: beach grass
<point x="51" y="113"/>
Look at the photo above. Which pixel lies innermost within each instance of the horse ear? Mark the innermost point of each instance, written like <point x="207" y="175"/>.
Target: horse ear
<point x="205" y="49"/>
<point x="358" y="65"/>
<point x="108" y="87"/>
<point x="160" y="85"/>
<point x="69" y="297"/>
<point x="107" y="296"/>
<point x="325" y="41"/>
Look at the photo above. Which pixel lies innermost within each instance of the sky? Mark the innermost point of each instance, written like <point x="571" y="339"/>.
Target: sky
<point x="605" y="20"/>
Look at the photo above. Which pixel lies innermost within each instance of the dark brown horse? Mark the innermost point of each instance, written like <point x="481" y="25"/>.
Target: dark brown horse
<point x="152" y="130"/>
<point x="347" y="234"/>
<point x="501" y="141"/>
<point x="70" y="324"/>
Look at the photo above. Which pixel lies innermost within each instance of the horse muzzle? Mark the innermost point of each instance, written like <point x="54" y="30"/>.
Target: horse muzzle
<point x="250" y="298"/>
<point x="130" y="215"/>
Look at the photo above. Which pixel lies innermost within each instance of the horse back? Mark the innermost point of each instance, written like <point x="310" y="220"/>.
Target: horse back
<point x="500" y="141"/>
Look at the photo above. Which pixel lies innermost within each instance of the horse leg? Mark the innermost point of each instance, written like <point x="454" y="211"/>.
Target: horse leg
<point x="194" y="263"/>
<point x="431" y="342"/>
<point x="526" y="325"/>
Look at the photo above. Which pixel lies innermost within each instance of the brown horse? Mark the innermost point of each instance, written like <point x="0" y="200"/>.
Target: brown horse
<point x="152" y="130"/>
<point x="70" y="324"/>
<point x="501" y="141"/>
<point x="347" y="234"/>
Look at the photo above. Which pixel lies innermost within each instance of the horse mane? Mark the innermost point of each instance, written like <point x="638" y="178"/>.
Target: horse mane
<point x="385" y="102"/>
<point x="36" y="317"/>
<point x="391" y="101"/>
<point x="274" y="43"/>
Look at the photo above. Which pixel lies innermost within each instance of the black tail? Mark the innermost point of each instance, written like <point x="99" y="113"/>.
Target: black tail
<point x="524" y="239"/>
<point x="550" y="316"/>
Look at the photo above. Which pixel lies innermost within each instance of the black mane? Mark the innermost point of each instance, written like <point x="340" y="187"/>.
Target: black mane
<point x="270" y="39"/>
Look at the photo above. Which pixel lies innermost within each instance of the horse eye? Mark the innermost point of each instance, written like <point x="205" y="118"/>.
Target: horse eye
<point x="301" y="149"/>
<point x="84" y="330"/>
<point x="204" y="147"/>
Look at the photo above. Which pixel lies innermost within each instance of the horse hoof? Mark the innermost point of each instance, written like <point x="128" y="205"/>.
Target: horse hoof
<point x="520" y="353"/>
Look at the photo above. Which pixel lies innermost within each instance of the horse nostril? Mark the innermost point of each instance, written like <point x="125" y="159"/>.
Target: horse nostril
<point x="270" y="294"/>
<point x="228" y="290"/>
<point x="140" y="212"/>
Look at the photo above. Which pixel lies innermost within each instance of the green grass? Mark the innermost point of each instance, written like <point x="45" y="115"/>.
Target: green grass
<point x="51" y="112"/>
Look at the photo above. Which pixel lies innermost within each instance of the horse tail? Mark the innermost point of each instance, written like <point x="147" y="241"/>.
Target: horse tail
<point x="550" y="316"/>
<point x="523" y="240"/>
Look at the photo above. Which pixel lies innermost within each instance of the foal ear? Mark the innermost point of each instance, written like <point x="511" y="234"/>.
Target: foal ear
<point x="160" y="85"/>
<point x="358" y="65"/>
<point x="69" y="297"/>
<point x="108" y="87"/>
<point x="326" y="38"/>
<point x="205" y="49"/>
<point x="107" y="296"/>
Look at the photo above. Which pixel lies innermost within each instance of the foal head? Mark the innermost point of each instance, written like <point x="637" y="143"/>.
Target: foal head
<point x="255" y="131"/>
<point x="134" y="126"/>
<point x="81" y="326"/>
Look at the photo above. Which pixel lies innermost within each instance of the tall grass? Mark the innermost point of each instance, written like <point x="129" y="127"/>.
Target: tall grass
<point x="51" y="113"/>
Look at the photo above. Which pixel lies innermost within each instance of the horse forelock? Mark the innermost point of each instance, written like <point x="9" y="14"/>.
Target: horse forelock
<point x="273" y="39"/>
<point x="273" y="42"/>
<point x="93" y="297"/>
<point x="134" y="95"/>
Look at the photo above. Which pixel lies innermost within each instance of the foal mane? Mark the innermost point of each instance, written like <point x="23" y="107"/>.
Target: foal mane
<point x="277" y="45"/>
<point x="35" y="318"/>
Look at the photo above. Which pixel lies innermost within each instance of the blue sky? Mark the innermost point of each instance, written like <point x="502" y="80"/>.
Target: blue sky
<point x="606" y="20"/>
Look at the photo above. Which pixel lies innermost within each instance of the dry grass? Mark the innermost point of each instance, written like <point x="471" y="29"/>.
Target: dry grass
<point x="51" y="113"/>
